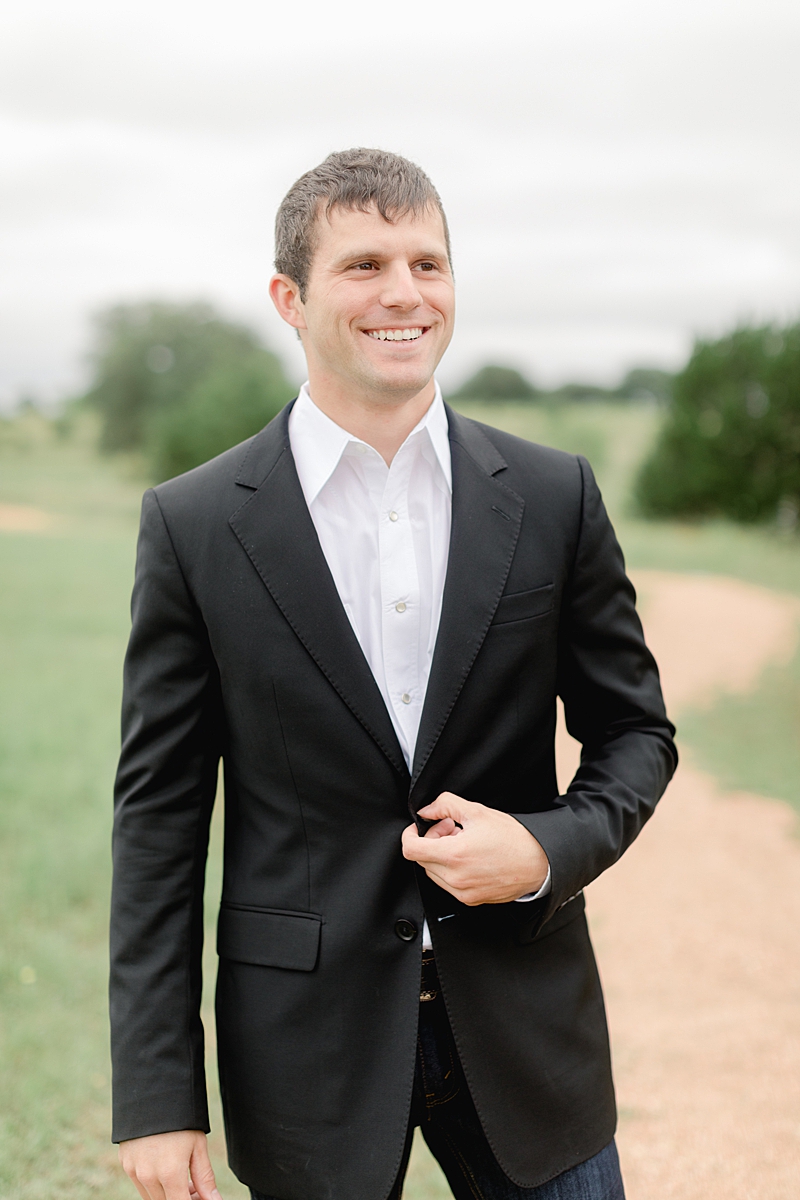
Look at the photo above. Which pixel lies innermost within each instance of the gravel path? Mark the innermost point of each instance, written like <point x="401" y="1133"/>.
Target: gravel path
<point x="697" y="932"/>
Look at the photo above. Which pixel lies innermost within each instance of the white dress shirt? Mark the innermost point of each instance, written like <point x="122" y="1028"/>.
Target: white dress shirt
<point x="385" y="534"/>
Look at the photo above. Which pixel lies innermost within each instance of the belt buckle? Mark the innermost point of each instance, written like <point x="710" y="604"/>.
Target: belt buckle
<point x="428" y="989"/>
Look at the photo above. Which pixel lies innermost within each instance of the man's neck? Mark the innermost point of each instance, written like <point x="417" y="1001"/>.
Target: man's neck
<point x="383" y="424"/>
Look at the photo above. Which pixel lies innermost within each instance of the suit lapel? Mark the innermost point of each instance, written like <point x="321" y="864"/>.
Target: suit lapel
<point x="487" y="517"/>
<point x="275" y="528"/>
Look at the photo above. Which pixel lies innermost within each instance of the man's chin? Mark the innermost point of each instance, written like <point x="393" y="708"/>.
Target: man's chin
<point x="402" y="384"/>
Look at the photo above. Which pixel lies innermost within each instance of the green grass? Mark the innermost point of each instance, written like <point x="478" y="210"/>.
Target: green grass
<point x="64" y="600"/>
<point x="64" y="597"/>
<point x="752" y="743"/>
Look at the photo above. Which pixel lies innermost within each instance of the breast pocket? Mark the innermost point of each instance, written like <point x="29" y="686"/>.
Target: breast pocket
<point x="269" y="937"/>
<point x="521" y="606"/>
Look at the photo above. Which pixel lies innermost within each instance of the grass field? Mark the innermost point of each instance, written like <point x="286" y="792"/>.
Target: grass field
<point x="63" y="623"/>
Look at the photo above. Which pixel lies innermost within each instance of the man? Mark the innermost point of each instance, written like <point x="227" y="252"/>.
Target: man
<point x="367" y="611"/>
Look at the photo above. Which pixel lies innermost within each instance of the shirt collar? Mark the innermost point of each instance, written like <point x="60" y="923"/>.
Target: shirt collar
<point x="318" y="443"/>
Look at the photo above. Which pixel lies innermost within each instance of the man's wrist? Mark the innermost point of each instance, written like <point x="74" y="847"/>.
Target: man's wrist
<point x="543" y="891"/>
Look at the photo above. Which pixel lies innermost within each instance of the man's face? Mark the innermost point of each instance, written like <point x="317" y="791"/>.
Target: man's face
<point x="380" y="303"/>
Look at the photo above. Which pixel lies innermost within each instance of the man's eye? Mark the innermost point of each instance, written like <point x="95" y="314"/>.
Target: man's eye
<point x="427" y="266"/>
<point x="364" y="266"/>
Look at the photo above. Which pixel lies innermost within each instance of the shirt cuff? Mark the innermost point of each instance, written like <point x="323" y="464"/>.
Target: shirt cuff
<point x="543" y="890"/>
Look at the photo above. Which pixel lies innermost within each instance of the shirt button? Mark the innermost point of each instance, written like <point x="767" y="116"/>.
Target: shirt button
<point x="406" y="930"/>
<point x="405" y="698"/>
<point x="392" y="515"/>
<point x="400" y="606"/>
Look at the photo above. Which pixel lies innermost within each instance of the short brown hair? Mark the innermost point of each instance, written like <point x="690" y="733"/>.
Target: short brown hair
<point x="354" y="179"/>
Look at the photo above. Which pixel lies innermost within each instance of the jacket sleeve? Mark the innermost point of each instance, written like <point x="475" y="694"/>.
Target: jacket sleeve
<point x="609" y="683"/>
<point x="164" y="794"/>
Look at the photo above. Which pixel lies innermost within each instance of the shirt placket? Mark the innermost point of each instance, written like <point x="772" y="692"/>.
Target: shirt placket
<point x="400" y="607"/>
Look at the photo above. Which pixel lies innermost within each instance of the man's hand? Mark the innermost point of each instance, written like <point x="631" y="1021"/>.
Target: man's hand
<point x="491" y="859"/>
<point x="170" y="1166"/>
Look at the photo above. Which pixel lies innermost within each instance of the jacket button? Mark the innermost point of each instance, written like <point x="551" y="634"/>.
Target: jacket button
<point x="406" y="930"/>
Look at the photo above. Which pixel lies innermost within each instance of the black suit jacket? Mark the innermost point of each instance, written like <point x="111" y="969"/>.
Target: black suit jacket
<point x="241" y="649"/>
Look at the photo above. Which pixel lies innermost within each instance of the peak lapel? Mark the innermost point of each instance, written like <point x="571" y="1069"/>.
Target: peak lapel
<point x="487" y="517"/>
<point x="275" y="528"/>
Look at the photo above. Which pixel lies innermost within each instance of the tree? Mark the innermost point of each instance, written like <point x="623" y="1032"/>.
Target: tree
<point x="151" y="361"/>
<point x="231" y="404"/>
<point x="647" y="384"/>
<point x="496" y="383"/>
<point x="730" y="445"/>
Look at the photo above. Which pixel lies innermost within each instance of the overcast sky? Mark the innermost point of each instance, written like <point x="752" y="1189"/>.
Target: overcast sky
<point x="619" y="176"/>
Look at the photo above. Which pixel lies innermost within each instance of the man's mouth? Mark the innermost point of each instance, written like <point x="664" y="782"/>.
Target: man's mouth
<point x="396" y="335"/>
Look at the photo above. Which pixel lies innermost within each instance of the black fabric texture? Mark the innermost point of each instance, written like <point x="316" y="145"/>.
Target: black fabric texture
<point x="241" y="650"/>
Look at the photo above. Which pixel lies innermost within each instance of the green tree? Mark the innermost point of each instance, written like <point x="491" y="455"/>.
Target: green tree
<point x="232" y="403"/>
<point x="646" y="383"/>
<point x="730" y="445"/>
<point x="151" y="363"/>
<point x="496" y="383"/>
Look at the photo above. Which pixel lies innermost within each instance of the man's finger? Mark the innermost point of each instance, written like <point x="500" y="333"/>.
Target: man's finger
<point x="447" y="805"/>
<point x="145" y="1180"/>
<point x="432" y="852"/>
<point x="425" y="849"/>
<point x="444" y="881"/>
<point x="408" y="842"/>
<point x="140" y="1189"/>
<point x="149" y="1186"/>
<point x="447" y="827"/>
<point x="202" y="1173"/>
<point x="163" y="1183"/>
<point x="176" y="1187"/>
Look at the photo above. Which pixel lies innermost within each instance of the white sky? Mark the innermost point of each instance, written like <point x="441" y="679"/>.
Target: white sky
<point x="619" y="176"/>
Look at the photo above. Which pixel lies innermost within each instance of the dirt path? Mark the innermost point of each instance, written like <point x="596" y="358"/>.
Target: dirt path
<point x="697" y="932"/>
<point x="21" y="518"/>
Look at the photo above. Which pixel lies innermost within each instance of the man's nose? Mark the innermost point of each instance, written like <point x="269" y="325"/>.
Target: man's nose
<point x="400" y="288"/>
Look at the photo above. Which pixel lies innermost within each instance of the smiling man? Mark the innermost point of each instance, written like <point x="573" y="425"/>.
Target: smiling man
<point x="367" y="612"/>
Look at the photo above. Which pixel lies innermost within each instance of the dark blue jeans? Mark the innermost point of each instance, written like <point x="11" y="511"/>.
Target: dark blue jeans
<point x="443" y="1109"/>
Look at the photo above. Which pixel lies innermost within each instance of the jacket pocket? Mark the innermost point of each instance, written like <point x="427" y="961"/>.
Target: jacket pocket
<point x="532" y="931"/>
<point x="519" y="606"/>
<point x="269" y="937"/>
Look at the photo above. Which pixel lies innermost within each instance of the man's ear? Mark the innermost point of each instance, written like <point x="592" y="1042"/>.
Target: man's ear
<point x="285" y="295"/>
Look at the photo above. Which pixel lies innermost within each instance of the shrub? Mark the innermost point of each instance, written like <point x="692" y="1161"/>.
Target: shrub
<point x="152" y="362"/>
<point x="646" y="384"/>
<point x="231" y="404"/>
<point x="730" y="445"/>
<point x="496" y="383"/>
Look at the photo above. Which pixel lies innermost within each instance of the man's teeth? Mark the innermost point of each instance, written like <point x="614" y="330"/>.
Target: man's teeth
<point x="395" y="335"/>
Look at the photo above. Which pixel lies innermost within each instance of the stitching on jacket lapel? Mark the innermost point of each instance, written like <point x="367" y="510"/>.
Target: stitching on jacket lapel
<point x="277" y="534"/>
<point x="487" y="517"/>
